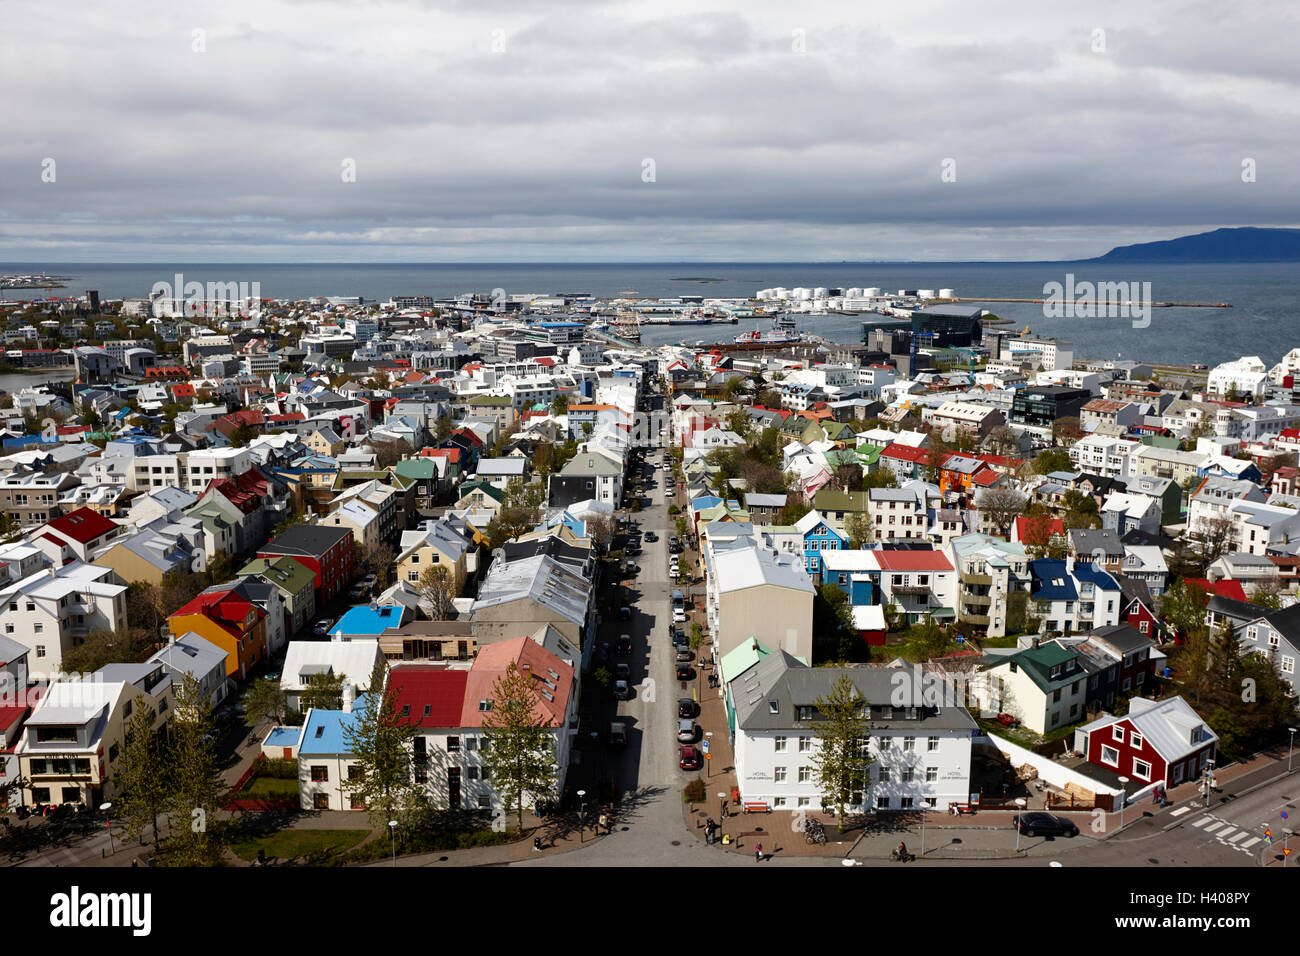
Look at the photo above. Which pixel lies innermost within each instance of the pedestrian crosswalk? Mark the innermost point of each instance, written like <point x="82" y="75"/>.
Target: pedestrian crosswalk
<point x="1226" y="833"/>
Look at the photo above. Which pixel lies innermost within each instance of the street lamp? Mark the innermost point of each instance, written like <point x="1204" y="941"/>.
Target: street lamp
<point x="108" y="824"/>
<point x="1290" y="749"/>
<point x="1209" y="779"/>
<point x="1123" y="800"/>
<point x="582" y="815"/>
<point x="722" y="809"/>
<point x="708" y="764"/>
<point x="392" y="834"/>
<point x="1020" y="802"/>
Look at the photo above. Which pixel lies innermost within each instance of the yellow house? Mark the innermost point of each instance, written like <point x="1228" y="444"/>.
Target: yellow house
<point x="438" y="546"/>
<point x="325" y="441"/>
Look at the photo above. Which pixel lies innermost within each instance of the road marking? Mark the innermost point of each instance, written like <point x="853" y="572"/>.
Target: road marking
<point x="1239" y="837"/>
<point x="1249" y="843"/>
<point x="1201" y="822"/>
<point x="1217" y="826"/>
<point x="1180" y="811"/>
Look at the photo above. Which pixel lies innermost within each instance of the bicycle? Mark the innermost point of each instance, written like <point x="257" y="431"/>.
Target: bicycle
<point x="814" y="832"/>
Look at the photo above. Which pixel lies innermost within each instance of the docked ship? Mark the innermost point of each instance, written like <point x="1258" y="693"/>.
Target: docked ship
<point x="783" y="330"/>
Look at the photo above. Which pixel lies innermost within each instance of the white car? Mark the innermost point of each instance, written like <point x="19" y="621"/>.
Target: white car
<point x="679" y="615"/>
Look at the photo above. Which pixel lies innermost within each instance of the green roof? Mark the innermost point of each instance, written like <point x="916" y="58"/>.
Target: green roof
<point x="1038" y="662"/>
<point x="490" y="400"/>
<point x="416" y="468"/>
<point x="1160" y="441"/>
<point x="284" y="572"/>
<point x="833" y="499"/>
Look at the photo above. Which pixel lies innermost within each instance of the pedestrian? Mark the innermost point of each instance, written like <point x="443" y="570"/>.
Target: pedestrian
<point x="537" y="844"/>
<point x="758" y="853"/>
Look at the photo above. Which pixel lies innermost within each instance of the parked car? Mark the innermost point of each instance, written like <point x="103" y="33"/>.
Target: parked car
<point x="685" y="672"/>
<point x="679" y="615"/>
<point x="683" y="655"/>
<point x="624" y="644"/>
<point x="322" y="628"/>
<point x="1045" y="824"/>
<point x="687" y="708"/>
<point x="369" y="581"/>
<point x="680" y="639"/>
<point x="687" y="731"/>
<point x="622" y="690"/>
<point x="622" y="671"/>
<point x="651" y="536"/>
<point x="689" y="758"/>
<point x="625" y="614"/>
<point x="618" y="734"/>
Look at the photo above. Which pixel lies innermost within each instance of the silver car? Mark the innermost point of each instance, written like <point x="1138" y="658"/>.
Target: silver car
<point x="687" y="731"/>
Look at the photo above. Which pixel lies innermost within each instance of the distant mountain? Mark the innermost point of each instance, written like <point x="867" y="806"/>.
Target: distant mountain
<point x="1247" y="244"/>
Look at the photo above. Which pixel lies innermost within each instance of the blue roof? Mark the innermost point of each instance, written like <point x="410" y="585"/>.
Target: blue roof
<point x="705" y="501"/>
<point x="1092" y="571"/>
<point x="364" y="619"/>
<point x="326" y="730"/>
<point x="1051" y="581"/>
<point x="284" y="736"/>
<point x="560" y="325"/>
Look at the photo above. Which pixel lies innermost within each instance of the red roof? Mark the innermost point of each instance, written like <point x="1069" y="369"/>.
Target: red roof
<point x="545" y="360"/>
<point x="1226" y="587"/>
<point x="440" y="689"/>
<point x="908" y="560"/>
<point x="290" y="417"/>
<point x="906" y="453"/>
<point x="1028" y="526"/>
<point x="227" y="607"/>
<point x="82" y="525"/>
<point x="986" y="476"/>
<point x="451" y="454"/>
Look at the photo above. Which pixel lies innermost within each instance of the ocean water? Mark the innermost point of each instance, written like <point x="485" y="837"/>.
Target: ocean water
<point x="1264" y="319"/>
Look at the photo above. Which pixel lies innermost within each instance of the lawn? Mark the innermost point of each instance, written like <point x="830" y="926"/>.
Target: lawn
<point x="269" y="787"/>
<point x="287" y="844"/>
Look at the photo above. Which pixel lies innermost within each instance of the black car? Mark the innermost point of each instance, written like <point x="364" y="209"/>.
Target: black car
<point x="624" y="644"/>
<point x="687" y="709"/>
<point x="680" y="640"/>
<point x="651" y="536"/>
<point x="1045" y="824"/>
<point x="685" y="672"/>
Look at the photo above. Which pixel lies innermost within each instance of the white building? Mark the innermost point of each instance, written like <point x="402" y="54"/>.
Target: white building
<point x="921" y="753"/>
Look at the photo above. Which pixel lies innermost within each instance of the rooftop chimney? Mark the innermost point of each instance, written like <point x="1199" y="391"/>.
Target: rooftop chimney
<point x="349" y="695"/>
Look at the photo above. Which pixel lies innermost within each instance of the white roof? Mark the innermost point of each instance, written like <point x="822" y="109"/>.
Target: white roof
<point x="754" y="567"/>
<point x="353" y="659"/>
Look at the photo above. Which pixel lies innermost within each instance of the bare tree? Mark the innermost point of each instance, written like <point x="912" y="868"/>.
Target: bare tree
<point x="438" y="591"/>
<point x="600" y="528"/>
<point x="1216" y="536"/>
<point x="1001" y="506"/>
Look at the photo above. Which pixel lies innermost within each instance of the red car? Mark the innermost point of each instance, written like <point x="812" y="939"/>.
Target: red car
<point x="690" y="758"/>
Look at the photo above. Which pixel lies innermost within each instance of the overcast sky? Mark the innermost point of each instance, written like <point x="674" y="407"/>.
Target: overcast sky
<point x="486" y="130"/>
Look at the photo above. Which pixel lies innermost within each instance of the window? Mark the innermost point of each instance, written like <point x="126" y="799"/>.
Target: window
<point x="805" y="744"/>
<point x="1110" y="755"/>
<point x="1141" y="769"/>
<point x="1117" y="733"/>
<point x="805" y="775"/>
<point x="882" y="803"/>
<point x="1288" y="665"/>
<point x="471" y="773"/>
<point x="1272" y="640"/>
<point x="908" y="775"/>
<point x="906" y="803"/>
<point x="356" y="773"/>
<point x="453" y="745"/>
<point x="9" y="628"/>
<point x="931" y="774"/>
<point x="931" y="744"/>
<point x="38" y="628"/>
<point x="357" y="801"/>
<point x="909" y="743"/>
<point x="471" y="744"/>
<point x="484" y="773"/>
<point x="778" y="802"/>
<point x="805" y="801"/>
<point x="779" y="743"/>
<point x="778" y="775"/>
<point x="320" y="774"/>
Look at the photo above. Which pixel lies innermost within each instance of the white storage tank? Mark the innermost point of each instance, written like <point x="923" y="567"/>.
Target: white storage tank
<point x="925" y="293"/>
<point x="872" y="292"/>
<point x="821" y="292"/>
<point x="947" y="294"/>
<point x="803" y="294"/>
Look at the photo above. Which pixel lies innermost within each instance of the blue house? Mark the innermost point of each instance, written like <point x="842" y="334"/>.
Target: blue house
<point x="854" y="573"/>
<point x="365" y="622"/>
<point x="818" y="537"/>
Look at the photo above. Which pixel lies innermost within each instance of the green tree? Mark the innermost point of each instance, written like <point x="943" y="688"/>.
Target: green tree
<point x="142" y="774"/>
<point x="196" y="788"/>
<point x="1052" y="459"/>
<point x="265" y="700"/>
<point x="860" y="529"/>
<point x="322" y="692"/>
<point x="842" y="757"/>
<point x="560" y="405"/>
<point x="379" y="740"/>
<point x="929" y="640"/>
<point x="123" y="646"/>
<point x="520" y="741"/>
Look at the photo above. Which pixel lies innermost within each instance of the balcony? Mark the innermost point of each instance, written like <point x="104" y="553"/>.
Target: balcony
<point x="977" y="580"/>
<point x="969" y="617"/>
<point x="977" y="600"/>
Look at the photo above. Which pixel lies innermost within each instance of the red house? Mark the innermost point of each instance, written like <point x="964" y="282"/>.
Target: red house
<point x="327" y="551"/>
<point x="1159" y="741"/>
